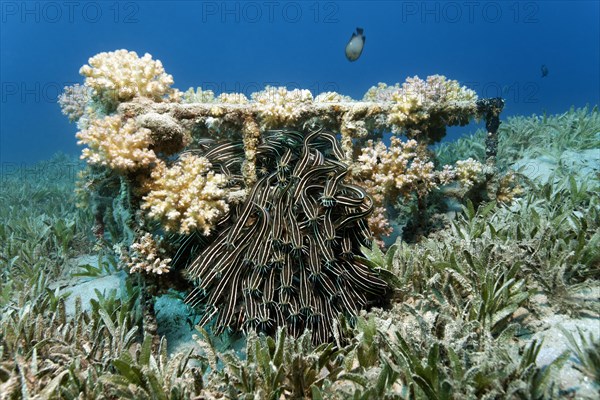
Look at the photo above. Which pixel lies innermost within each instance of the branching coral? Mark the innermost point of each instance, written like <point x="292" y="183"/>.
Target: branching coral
<point x="508" y="188"/>
<point x="404" y="170"/>
<point x="468" y="172"/>
<point x="331" y="97"/>
<point x="122" y="147"/>
<point x="147" y="256"/>
<point x="208" y="96"/>
<point x="232" y="98"/>
<point x="187" y="196"/>
<point x="426" y="105"/>
<point x="121" y="75"/>
<point x="278" y="107"/>
<point x="379" y="224"/>
<point x="198" y="96"/>
<point x="397" y="170"/>
<point x="441" y="102"/>
<point x="401" y="170"/>
<point x="251" y="136"/>
<point x="74" y="100"/>
<point x="381" y="93"/>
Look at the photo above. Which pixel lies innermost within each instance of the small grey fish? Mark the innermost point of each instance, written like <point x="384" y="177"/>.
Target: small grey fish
<point x="356" y="44"/>
<point x="544" y="71"/>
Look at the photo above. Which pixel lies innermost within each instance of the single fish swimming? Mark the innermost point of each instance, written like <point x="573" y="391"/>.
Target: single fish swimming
<point x="544" y="71"/>
<point x="356" y="44"/>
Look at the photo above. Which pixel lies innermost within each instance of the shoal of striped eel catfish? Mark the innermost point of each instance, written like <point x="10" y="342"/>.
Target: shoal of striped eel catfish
<point x="286" y="255"/>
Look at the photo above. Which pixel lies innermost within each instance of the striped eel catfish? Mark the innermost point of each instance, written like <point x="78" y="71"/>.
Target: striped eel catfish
<point x="286" y="255"/>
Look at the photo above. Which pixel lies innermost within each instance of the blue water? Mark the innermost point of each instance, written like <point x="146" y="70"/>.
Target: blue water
<point x="495" y="47"/>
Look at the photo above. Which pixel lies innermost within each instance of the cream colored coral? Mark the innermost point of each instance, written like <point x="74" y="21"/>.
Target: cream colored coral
<point x="408" y="108"/>
<point x="446" y="175"/>
<point x="174" y="96"/>
<point x="198" y="96"/>
<point x="468" y="172"/>
<point x="121" y="147"/>
<point x="232" y="98"/>
<point x="379" y="224"/>
<point x="74" y="100"/>
<point x="402" y="169"/>
<point x="278" y="107"/>
<point x="147" y="256"/>
<point x="508" y="188"/>
<point x="332" y="97"/>
<point x="90" y="114"/>
<point x="399" y="169"/>
<point x="381" y="92"/>
<point x="353" y="125"/>
<point x="251" y="137"/>
<point x="121" y="75"/>
<point x="187" y="196"/>
<point x="414" y="100"/>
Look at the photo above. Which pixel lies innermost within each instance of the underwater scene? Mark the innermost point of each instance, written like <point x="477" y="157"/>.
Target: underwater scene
<point x="250" y="200"/>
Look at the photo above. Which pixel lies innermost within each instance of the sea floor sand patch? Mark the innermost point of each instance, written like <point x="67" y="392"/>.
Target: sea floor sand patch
<point x="85" y="287"/>
<point x="550" y="331"/>
<point x="554" y="344"/>
<point x="581" y="164"/>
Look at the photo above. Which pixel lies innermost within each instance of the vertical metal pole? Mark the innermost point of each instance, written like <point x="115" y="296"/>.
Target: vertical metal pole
<point x="490" y="109"/>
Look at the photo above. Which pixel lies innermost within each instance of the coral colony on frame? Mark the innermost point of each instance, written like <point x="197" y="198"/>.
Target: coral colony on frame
<point x="281" y="202"/>
<point x="348" y="263"/>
